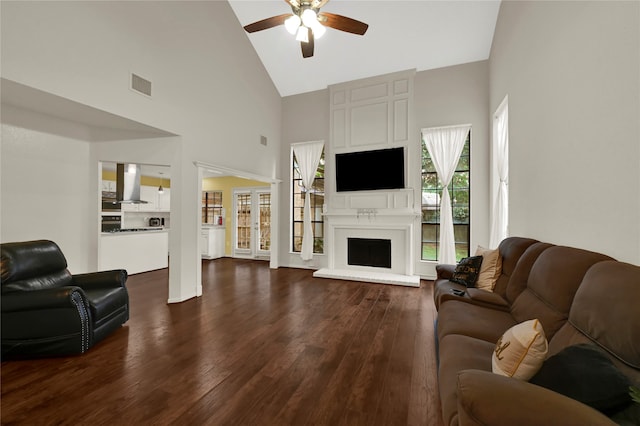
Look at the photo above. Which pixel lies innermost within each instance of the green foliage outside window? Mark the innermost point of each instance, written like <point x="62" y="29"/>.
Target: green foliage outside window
<point x="459" y="190"/>
<point x="317" y="201"/>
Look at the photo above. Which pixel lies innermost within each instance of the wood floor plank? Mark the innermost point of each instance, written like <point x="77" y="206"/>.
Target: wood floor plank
<point x="260" y="347"/>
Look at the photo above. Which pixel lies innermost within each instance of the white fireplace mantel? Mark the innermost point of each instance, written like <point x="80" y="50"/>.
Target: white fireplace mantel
<point x="398" y="227"/>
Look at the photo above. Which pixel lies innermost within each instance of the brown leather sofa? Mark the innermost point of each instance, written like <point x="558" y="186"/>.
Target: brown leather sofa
<point x="577" y="295"/>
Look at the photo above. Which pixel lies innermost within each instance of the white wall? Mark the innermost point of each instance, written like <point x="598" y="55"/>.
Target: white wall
<point x="209" y="87"/>
<point x="571" y="71"/>
<point x="305" y="118"/>
<point x="460" y="95"/>
<point x="45" y="189"/>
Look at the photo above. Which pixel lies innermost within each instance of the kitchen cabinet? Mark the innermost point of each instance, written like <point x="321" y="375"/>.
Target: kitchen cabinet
<point x="109" y="186"/>
<point x="212" y="239"/>
<point x="155" y="201"/>
<point x="134" y="251"/>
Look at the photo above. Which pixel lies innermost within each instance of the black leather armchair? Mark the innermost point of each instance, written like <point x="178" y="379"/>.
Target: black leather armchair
<point x="46" y="311"/>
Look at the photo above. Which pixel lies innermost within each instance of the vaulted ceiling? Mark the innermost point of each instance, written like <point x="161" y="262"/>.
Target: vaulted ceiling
<point x="401" y="35"/>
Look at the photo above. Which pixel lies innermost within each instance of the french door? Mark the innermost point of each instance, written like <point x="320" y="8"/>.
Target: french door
<point x="252" y="223"/>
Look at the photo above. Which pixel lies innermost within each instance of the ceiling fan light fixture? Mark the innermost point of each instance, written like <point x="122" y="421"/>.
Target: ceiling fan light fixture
<point x="292" y="24"/>
<point x="318" y="30"/>
<point x="309" y="18"/>
<point x="303" y="34"/>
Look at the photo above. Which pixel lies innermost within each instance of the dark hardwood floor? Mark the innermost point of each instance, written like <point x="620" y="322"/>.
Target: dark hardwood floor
<point x="260" y="347"/>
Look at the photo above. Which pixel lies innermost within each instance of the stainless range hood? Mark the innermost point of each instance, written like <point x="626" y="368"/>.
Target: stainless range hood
<point x="128" y="184"/>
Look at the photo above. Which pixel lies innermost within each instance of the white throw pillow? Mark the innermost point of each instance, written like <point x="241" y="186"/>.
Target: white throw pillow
<point x="520" y="351"/>
<point x="490" y="269"/>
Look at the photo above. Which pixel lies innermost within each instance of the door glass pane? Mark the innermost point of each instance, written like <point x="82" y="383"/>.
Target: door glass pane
<point x="265" y="222"/>
<point x="243" y="229"/>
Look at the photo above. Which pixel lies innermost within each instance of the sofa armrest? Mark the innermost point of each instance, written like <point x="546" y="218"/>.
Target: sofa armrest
<point x="50" y="298"/>
<point x="485" y="398"/>
<point x="103" y="279"/>
<point x="444" y="271"/>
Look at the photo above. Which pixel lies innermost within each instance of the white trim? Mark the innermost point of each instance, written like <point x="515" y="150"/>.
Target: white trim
<point x="454" y="126"/>
<point x="227" y="171"/>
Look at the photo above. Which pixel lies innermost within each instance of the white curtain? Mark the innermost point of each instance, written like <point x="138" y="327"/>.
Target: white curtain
<point x="308" y="157"/>
<point x="500" y="218"/>
<point x="445" y="145"/>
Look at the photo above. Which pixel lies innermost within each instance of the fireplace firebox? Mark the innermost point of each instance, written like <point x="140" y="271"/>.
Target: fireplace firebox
<point x="374" y="252"/>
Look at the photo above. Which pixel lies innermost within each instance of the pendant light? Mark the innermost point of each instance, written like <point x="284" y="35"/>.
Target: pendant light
<point x="160" y="188"/>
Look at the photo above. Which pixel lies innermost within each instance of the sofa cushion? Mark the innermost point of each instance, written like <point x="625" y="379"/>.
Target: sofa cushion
<point x="33" y="265"/>
<point x="606" y="309"/>
<point x="467" y="271"/>
<point x="552" y="284"/>
<point x="480" y="322"/>
<point x="520" y="274"/>
<point x="520" y="351"/>
<point x="583" y="372"/>
<point x="510" y="249"/>
<point x="490" y="268"/>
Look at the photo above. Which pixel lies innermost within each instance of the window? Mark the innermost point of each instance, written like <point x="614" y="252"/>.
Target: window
<point x="459" y="192"/>
<point x="211" y="206"/>
<point x="317" y="200"/>
<point x="243" y="220"/>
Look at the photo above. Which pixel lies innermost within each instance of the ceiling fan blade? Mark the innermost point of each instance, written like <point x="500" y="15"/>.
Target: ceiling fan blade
<point x="265" y="24"/>
<point x="343" y="23"/>
<point x="307" y="48"/>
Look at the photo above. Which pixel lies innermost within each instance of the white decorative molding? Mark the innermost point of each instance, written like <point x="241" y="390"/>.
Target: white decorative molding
<point x="370" y="114"/>
<point x="368" y="223"/>
<point x="369" y="124"/>
<point x="367" y="93"/>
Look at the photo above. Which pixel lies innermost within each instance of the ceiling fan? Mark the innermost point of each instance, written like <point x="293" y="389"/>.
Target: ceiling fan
<point x="307" y="23"/>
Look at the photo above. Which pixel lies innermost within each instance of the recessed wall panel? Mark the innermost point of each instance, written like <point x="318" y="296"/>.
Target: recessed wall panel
<point x="338" y="128"/>
<point x="369" y="92"/>
<point x="369" y="124"/>
<point x="400" y="120"/>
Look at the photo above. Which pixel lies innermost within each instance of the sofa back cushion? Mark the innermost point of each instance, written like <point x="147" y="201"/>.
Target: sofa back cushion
<point x="606" y="308"/>
<point x="32" y="265"/>
<point x="552" y="284"/>
<point x="511" y="249"/>
<point x="520" y="275"/>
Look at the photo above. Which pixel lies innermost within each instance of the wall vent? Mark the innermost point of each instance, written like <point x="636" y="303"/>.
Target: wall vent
<point x="263" y="140"/>
<point x="140" y="85"/>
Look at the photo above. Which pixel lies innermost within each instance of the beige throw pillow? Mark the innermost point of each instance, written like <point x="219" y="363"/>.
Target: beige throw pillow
<point x="520" y="351"/>
<point x="490" y="269"/>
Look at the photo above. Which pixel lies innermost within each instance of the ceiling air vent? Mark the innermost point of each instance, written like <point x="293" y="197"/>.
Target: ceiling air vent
<point x="140" y="85"/>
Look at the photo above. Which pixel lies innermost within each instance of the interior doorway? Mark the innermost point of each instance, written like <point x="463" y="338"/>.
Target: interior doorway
<point x="252" y="223"/>
<point x="262" y="242"/>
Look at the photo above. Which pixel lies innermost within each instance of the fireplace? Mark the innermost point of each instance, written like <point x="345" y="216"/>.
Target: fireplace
<point x="375" y="252"/>
<point x="370" y="247"/>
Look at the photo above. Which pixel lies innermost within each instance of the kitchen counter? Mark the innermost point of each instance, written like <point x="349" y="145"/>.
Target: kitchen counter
<point x="135" y="251"/>
<point x="136" y="231"/>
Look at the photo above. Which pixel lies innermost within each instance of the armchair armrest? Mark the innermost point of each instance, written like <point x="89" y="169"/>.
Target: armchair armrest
<point x="50" y="298"/>
<point x="103" y="279"/>
<point x="444" y="271"/>
<point x="485" y="398"/>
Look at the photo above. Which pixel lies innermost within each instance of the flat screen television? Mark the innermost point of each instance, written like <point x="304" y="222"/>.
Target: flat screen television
<point x="370" y="170"/>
